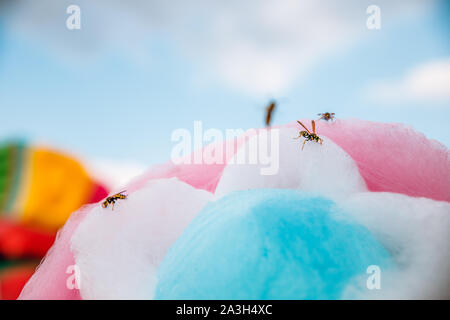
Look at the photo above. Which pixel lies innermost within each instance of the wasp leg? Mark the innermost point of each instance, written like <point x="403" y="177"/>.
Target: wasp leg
<point x="303" y="144"/>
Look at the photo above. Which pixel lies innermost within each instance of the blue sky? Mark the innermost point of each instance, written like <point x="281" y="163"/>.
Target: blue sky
<point x="115" y="105"/>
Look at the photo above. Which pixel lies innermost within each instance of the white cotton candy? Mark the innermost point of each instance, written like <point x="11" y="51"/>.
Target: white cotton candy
<point x="118" y="251"/>
<point x="415" y="231"/>
<point x="325" y="168"/>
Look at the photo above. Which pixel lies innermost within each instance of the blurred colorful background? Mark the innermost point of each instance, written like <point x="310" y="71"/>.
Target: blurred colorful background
<point x="82" y="111"/>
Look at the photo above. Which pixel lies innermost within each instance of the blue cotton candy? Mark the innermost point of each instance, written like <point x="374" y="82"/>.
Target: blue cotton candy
<point x="269" y="244"/>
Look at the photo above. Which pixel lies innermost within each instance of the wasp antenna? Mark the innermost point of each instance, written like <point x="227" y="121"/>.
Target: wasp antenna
<point x="304" y="126"/>
<point x="313" y="126"/>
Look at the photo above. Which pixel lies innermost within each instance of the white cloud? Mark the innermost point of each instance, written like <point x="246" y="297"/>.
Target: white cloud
<point x="256" y="46"/>
<point x="429" y="82"/>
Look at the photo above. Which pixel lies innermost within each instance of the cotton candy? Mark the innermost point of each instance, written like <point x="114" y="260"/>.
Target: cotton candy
<point x="392" y="157"/>
<point x="268" y="244"/>
<point x="371" y="175"/>
<point x="39" y="189"/>
<point x="322" y="168"/>
<point x="199" y="175"/>
<point x="118" y="251"/>
<point x="50" y="281"/>
<point x="416" y="233"/>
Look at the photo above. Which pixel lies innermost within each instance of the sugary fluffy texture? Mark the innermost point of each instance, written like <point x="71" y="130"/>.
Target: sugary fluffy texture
<point x="392" y="157"/>
<point x="273" y="239"/>
<point x="322" y="168"/>
<point x="201" y="176"/>
<point x="50" y="279"/>
<point x="389" y="157"/>
<point x="268" y="244"/>
<point x="118" y="251"/>
<point x="416" y="233"/>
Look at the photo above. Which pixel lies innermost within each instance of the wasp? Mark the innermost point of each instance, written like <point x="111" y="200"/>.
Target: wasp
<point x="308" y="135"/>
<point x="112" y="199"/>
<point x="269" y="111"/>
<point x="326" y="116"/>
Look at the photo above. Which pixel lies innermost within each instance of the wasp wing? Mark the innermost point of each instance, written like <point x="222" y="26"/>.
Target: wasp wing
<point x="304" y="126"/>
<point x="119" y="193"/>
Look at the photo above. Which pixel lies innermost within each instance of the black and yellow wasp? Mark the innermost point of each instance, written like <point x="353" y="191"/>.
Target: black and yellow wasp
<point x="308" y="135"/>
<point x="269" y="112"/>
<point x="326" y="116"/>
<point x="112" y="199"/>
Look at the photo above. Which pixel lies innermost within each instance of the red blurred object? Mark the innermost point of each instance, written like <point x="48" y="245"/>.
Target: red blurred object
<point x="21" y="241"/>
<point x="13" y="279"/>
<point x="98" y="193"/>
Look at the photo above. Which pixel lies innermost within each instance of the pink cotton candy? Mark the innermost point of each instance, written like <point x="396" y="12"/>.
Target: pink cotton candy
<point x="392" y="157"/>
<point x="50" y="279"/>
<point x="200" y="176"/>
<point x="49" y="282"/>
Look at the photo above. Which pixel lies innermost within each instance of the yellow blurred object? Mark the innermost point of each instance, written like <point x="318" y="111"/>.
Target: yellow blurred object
<point x="57" y="185"/>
